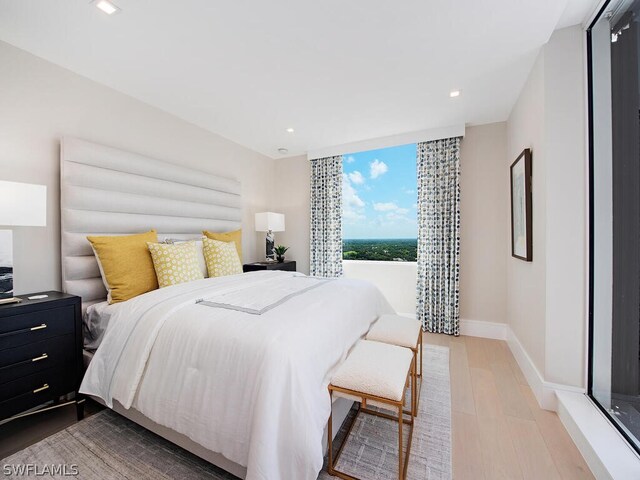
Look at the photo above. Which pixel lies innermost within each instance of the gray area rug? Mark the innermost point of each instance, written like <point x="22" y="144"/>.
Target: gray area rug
<point x="108" y="446"/>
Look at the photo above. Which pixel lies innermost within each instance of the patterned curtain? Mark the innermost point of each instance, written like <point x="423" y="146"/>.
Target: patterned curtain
<point x="439" y="235"/>
<point x="326" y="217"/>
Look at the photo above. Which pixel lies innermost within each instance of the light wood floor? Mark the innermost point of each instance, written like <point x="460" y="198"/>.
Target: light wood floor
<point x="499" y="431"/>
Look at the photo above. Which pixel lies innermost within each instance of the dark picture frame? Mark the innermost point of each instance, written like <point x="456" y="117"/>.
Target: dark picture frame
<point x="521" y="207"/>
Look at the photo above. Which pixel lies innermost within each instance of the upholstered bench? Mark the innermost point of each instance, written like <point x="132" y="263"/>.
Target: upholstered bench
<point x="376" y="375"/>
<point x="402" y="332"/>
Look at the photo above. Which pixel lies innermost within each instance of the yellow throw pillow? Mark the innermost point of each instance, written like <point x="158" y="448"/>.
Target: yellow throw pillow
<point x="125" y="264"/>
<point x="175" y="263"/>
<point x="235" y="236"/>
<point x="222" y="258"/>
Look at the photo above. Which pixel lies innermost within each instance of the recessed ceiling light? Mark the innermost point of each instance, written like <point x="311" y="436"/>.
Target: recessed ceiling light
<point x="290" y="130"/>
<point x="283" y="150"/>
<point x="454" y="93"/>
<point x="107" y="7"/>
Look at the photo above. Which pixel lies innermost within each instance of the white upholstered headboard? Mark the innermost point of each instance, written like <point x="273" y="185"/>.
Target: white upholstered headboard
<point x="106" y="191"/>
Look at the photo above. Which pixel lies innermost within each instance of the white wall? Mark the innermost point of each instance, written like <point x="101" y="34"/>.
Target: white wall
<point x="484" y="211"/>
<point x="566" y="207"/>
<point x="546" y="298"/>
<point x="41" y="102"/>
<point x="526" y="290"/>
<point x="396" y="280"/>
<point x="291" y="197"/>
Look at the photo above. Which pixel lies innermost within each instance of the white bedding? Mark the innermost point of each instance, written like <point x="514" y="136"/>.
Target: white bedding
<point x="252" y="387"/>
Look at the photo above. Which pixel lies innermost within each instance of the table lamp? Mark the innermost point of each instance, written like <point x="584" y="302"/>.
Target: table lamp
<point x="23" y="205"/>
<point x="270" y="222"/>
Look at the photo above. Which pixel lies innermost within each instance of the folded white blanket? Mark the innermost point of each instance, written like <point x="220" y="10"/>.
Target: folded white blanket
<point x="256" y="299"/>
<point x="253" y="388"/>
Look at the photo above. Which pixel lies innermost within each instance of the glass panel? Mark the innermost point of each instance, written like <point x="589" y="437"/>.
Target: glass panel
<point x="615" y="215"/>
<point x="379" y="209"/>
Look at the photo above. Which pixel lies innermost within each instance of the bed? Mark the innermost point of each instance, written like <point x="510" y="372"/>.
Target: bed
<point x="243" y="390"/>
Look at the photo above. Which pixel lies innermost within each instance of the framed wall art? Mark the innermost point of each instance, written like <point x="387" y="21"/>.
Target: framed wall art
<point x="521" y="214"/>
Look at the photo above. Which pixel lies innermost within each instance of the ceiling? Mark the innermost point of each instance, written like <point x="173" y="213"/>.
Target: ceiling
<point x="336" y="71"/>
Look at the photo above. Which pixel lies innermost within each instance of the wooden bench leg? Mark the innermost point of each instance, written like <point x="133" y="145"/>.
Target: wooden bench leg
<point x="419" y="374"/>
<point x="330" y="434"/>
<point x="414" y="394"/>
<point x="421" y="359"/>
<point x="400" y="462"/>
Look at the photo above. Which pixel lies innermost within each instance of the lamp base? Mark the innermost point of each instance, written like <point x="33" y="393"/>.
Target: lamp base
<point x="10" y="300"/>
<point x="270" y="243"/>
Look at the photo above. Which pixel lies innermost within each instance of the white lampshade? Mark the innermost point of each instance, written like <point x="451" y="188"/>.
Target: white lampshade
<point x="269" y="221"/>
<point x="23" y="204"/>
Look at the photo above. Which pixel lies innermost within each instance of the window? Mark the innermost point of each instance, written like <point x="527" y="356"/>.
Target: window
<point x="379" y="205"/>
<point x="614" y="310"/>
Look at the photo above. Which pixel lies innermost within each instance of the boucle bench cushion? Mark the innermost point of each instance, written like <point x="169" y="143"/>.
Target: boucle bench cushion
<point x="396" y="330"/>
<point x="376" y="369"/>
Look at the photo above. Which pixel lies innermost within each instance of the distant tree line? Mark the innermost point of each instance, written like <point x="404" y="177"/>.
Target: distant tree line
<point x="389" y="250"/>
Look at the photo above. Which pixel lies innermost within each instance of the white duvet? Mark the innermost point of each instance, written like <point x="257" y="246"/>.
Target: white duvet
<point x="252" y="387"/>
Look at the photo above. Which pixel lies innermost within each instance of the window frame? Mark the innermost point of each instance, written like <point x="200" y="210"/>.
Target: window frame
<point x="635" y="444"/>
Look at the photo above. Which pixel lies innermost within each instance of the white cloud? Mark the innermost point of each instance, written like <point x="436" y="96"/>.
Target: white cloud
<point x="385" y="207"/>
<point x="356" y="177"/>
<point x="352" y="216"/>
<point x="377" y="168"/>
<point x="399" y="216"/>
<point x="395" y="222"/>
<point x="352" y="204"/>
<point x="390" y="207"/>
<point x="408" y="191"/>
<point x="349" y="159"/>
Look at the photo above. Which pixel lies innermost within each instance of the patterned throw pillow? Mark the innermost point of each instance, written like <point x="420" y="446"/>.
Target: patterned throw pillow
<point x="177" y="263"/>
<point x="199" y="248"/>
<point x="222" y="258"/>
<point x="235" y="236"/>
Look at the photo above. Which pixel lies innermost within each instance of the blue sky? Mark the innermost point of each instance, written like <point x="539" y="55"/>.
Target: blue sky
<point x="379" y="193"/>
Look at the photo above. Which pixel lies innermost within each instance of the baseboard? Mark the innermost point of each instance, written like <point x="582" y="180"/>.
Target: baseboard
<point x="545" y="392"/>
<point x="531" y="373"/>
<point x="481" y="328"/>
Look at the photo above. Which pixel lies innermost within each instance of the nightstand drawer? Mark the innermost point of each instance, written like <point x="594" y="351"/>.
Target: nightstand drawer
<point x="35" y="357"/>
<point x="287" y="265"/>
<point x="31" y="391"/>
<point x="52" y="378"/>
<point x="19" y="330"/>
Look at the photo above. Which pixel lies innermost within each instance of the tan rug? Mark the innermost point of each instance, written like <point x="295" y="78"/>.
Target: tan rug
<point x="108" y="446"/>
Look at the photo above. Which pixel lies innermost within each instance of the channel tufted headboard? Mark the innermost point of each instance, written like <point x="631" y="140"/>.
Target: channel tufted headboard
<point x="106" y="191"/>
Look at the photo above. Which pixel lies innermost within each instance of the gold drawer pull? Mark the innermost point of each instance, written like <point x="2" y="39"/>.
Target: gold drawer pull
<point x="44" y="387"/>
<point x="41" y="357"/>
<point x="39" y="327"/>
